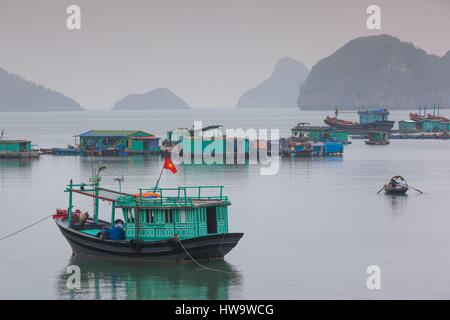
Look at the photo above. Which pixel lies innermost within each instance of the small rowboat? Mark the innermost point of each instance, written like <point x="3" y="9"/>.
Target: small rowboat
<point x="396" y="185"/>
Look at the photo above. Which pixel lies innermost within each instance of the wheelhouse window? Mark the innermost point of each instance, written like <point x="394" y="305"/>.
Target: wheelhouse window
<point x="149" y="216"/>
<point x="128" y="215"/>
<point x="168" y="215"/>
<point x="182" y="216"/>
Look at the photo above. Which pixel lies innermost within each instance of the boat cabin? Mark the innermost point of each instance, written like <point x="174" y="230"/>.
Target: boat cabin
<point x="371" y="116"/>
<point x="159" y="213"/>
<point x="377" y="138"/>
<point x="172" y="211"/>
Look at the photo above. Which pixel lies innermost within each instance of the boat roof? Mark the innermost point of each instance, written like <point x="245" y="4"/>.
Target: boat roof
<point x="13" y="141"/>
<point x="374" y="111"/>
<point x="115" y="133"/>
<point x="186" y="196"/>
<point x="303" y="127"/>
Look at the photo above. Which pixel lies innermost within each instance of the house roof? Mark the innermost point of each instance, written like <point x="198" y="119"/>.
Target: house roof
<point x="152" y="137"/>
<point x="115" y="133"/>
<point x="13" y="141"/>
<point x="374" y="111"/>
<point x="301" y="127"/>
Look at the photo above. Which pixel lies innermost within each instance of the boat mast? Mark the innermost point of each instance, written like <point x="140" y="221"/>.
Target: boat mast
<point x="95" y="180"/>
<point x="69" y="209"/>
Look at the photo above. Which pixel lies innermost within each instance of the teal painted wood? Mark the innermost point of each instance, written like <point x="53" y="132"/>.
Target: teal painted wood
<point x="15" y="146"/>
<point x="162" y="224"/>
<point x="184" y="211"/>
<point x="407" y="126"/>
<point x="431" y="125"/>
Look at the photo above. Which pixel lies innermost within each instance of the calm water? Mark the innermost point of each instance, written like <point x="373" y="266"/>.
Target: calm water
<point x="310" y="231"/>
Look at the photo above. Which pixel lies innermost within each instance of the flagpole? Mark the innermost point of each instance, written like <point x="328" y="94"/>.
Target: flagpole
<point x="160" y="174"/>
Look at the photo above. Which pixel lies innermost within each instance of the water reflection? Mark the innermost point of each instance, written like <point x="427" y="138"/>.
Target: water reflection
<point x="17" y="163"/>
<point x="111" y="279"/>
<point x="397" y="202"/>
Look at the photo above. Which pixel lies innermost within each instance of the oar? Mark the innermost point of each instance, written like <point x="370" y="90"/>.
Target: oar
<point x="380" y="190"/>
<point x="415" y="189"/>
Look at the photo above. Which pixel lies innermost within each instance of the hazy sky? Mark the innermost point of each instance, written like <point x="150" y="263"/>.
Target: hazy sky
<point x="207" y="51"/>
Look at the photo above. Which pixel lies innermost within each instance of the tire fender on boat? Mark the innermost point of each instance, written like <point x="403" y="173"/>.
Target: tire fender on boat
<point x="174" y="241"/>
<point x="136" y="244"/>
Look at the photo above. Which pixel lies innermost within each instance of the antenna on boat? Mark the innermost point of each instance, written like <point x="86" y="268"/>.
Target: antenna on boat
<point x="95" y="181"/>
<point x="120" y="180"/>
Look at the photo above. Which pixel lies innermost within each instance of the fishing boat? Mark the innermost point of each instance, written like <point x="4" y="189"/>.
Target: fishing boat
<point x="369" y="120"/>
<point x="396" y="185"/>
<point x="161" y="224"/>
<point x="377" y="138"/>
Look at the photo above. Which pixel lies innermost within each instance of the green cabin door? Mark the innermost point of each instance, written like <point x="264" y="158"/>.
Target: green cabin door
<point x="211" y="220"/>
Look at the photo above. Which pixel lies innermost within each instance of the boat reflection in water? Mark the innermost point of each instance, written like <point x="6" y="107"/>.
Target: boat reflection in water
<point x="103" y="278"/>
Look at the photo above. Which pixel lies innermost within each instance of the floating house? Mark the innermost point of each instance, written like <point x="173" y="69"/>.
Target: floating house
<point x="430" y="125"/>
<point x="319" y="133"/>
<point x="444" y="126"/>
<point x="118" y="142"/>
<point x="207" y="141"/>
<point x="17" y="149"/>
<point x="215" y="146"/>
<point x="307" y="141"/>
<point x="407" y="126"/>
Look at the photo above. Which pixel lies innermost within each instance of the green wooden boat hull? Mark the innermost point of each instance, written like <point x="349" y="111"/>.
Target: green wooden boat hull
<point x="213" y="246"/>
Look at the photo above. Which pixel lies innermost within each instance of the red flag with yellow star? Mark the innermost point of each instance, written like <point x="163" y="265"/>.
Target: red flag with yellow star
<point x="168" y="164"/>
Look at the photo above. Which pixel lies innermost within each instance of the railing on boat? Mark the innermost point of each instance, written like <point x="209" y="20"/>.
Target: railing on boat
<point x="164" y="197"/>
<point x="174" y="197"/>
<point x="180" y="196"/>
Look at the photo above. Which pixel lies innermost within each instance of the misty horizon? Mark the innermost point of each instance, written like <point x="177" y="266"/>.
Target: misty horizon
<point x="208" y="54"/>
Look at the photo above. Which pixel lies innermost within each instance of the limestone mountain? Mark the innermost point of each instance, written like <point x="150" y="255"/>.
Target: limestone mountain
<point x="160" y="98"/>
<point x="18" y="95"/>
<point x="280" y="89"/>
<point x="377" y="71"/>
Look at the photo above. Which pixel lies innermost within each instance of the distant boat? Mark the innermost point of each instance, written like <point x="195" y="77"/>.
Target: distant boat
<point x="377" y="143"/>
<point x="369" y="120"/>
<point x="423" y="116"/>
<point x="377" y="138"/>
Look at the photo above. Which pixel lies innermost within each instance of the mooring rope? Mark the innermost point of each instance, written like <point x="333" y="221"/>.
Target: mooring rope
<point x="273" y="280"/>
<point x="214" y="269"/>
<point x="25" y="228"/>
